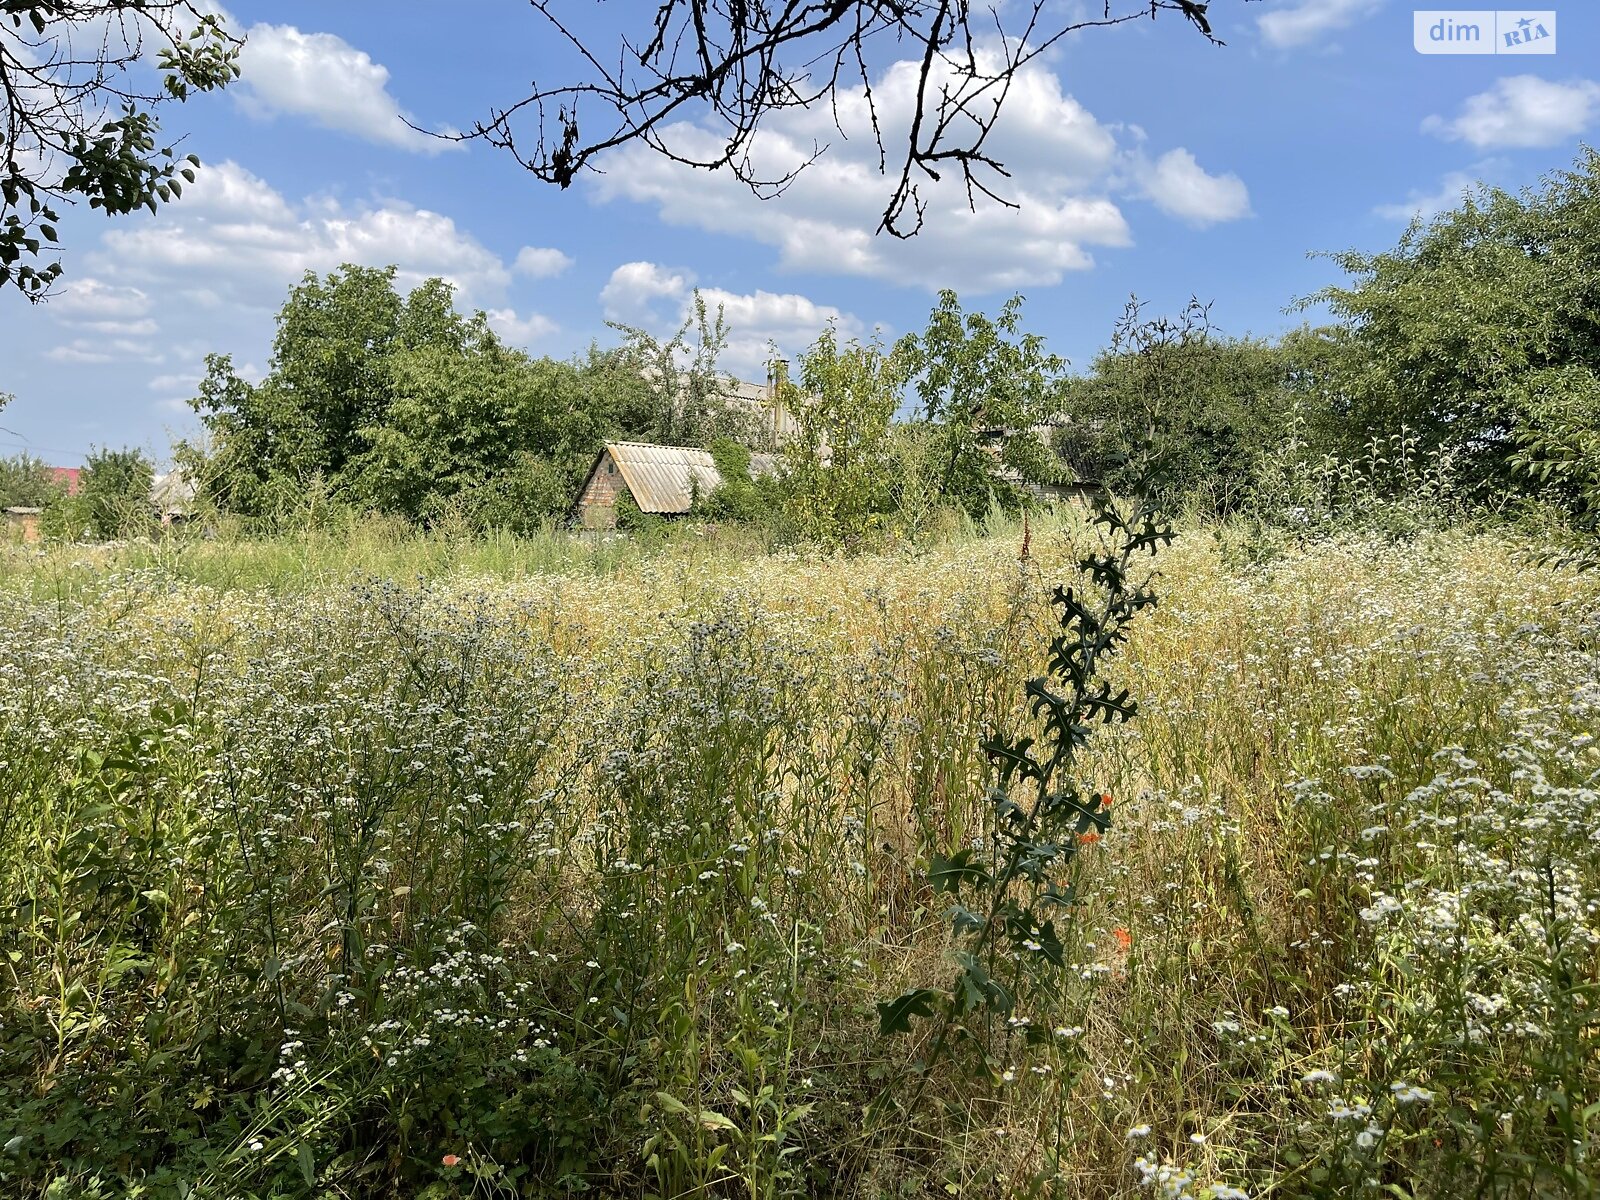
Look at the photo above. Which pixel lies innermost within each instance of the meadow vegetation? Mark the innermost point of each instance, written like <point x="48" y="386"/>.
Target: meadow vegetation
<point x="528" y="878"/>
<point x="869" y="832"/>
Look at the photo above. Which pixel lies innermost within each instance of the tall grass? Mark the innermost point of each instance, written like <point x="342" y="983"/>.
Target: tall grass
<point x="550" y="868"/>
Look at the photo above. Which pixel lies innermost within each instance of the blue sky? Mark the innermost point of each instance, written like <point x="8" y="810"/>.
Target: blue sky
<point x="1145" y="161"/>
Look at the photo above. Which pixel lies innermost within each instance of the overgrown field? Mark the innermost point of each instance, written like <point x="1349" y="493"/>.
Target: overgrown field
<point x="592" y="880"/>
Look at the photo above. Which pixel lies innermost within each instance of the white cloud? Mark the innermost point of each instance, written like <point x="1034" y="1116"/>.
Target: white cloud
<point x="104" y="350"/>
<point x="234" y="240"/>
<point x="760" y="321"/>
<point x="144" y="327"/>
<point x="1065" y="168"/>
<point x="185" y="382"/>
<point x="661" y="298"/>
<point x="91" y="299"/>
<point x="633" y="293"/>
<point x="1522" y="111"/>
<point x="1429" y="204"/>
<point x="1180" y="187"/>
<point x="519" y="331"/>
<point x="322" y="77"/>
<point x="541" y="262"/>
<point x="224" y="256"/>
<point x="1307" y="20"/>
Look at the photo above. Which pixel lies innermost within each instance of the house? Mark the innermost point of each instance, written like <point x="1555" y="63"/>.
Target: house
<point x="23" y="523"/>
<point x="662" y="480"/>
<point x="774" y="424"/>
<point x="68" y="479"/>
<point x="993" y="440"/>
<point x="778" y="422"/>
<point x="172" y="496"/>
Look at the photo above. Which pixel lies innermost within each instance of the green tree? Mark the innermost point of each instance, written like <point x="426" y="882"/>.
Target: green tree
<point x="839" y="463"/>
<point x="689" y="400"/>
<point x="988" y="392"/>
<point x="1470" y="330"/>
<point x="330" y="384"/>
<point x="79" y="114"/>
<point x="25" y="482"/>
<point x="1559" y="451"/>
<point x="741" y="496"/>
<point x="406" y="406"/>
<point x="458" y="421"/>
<point x="1211" y="405"/>
<point x="114" y="493"/>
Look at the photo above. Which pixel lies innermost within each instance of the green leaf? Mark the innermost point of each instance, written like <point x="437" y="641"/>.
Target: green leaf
<point x="308" y="1164"/>
<point x="670" y="1103"/>
<point x="964" y="921"/>
<point x="894" y="1016"/>
<point x="948" y="874"/>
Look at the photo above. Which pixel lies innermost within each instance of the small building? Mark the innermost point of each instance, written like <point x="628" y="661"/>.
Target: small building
<point x="22" y="523"/>
<point x="172" y="496"/>
<point x="662" y="480"/>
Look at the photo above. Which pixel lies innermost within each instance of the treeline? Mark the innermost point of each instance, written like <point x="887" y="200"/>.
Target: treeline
<point x="1461" y="370"/>
<point x="111" y="498"/>
<point x="401" y="405"/>
<point x="398" y="404"/>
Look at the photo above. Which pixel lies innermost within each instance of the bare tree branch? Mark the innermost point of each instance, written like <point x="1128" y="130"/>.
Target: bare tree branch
<point x="722" y="65"/>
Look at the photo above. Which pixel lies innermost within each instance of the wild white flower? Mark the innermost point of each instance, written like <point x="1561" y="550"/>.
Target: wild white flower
<point x="1407" y="1093"/>
<point x="1382" y="906"/>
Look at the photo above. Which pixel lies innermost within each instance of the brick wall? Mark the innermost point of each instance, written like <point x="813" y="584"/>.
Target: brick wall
<point x="598" y="500"/>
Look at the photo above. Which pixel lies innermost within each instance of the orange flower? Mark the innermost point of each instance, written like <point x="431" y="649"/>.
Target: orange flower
<point x="1105" y="800"/>
<point x="1123" y="937"/>
<point x="1088" y="839"/>
<point x="452" y="1160"/>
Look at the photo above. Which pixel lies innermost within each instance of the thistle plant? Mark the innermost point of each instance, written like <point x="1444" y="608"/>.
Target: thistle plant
<point x="1009" y="891"/>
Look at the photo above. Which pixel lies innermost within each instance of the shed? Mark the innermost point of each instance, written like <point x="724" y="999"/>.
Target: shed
<point x="23" y="523"/>
<point x="172" y="496"/>
<point x="661" y="479"/>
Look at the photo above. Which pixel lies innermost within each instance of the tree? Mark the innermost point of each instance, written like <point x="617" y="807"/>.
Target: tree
<point x="26" y="482"/>
<point x="114" y="492"/>
<point x="1559" y="451"/>
<point x="468" y="427"/>
<point x="986" y="390"/>
<point x="1478" y="328"/>
<point x="403" y="405"/>
<point x="839" y="465"/>
<point x="329" y="384"/>
<point x="1212" y="405"/>
<point x="79" y="123"/>
<point x="738" y="64"/>
<point x="689" y="397"/>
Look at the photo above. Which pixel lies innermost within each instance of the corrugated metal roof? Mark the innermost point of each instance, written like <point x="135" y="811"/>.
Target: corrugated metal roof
<point x="173" y="492"/>
<point x="663" y="479"/>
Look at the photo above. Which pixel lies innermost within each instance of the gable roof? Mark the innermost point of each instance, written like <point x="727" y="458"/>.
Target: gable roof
<point x="173" y="493"/>
<point x="664" y="479"/>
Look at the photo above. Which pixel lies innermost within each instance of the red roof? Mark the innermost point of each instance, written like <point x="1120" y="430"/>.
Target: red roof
<point x="67" y="477"/>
